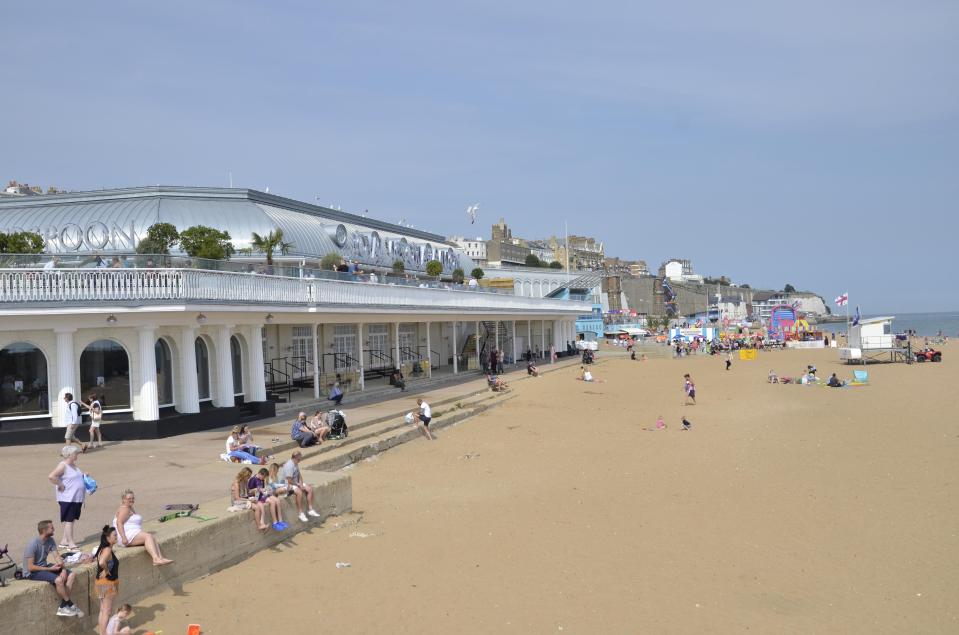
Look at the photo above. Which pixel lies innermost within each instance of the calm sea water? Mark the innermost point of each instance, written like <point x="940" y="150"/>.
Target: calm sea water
<point x="923" y="323"/>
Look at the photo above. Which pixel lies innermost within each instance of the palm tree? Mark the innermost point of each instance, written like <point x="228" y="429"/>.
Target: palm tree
<point x="270" y="243"/>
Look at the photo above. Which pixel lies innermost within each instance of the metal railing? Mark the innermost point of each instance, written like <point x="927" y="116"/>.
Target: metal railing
<point x="192" y="285"/>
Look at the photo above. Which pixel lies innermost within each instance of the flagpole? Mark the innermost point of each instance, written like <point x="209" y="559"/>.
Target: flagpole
<point x="847" y="318"/>
<point x="566" y="227"/>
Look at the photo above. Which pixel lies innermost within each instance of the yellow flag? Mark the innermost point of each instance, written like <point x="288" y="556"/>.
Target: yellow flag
<point x="747" y="355"/>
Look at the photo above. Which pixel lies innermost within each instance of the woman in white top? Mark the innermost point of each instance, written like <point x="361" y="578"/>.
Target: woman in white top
<point x="129" y="530"/>
<point x="71" y="493"/>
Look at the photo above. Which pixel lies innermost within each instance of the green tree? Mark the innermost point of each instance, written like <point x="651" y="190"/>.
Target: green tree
<point x="477" y="273"/>
<point x="270" y="243"/>
<point x="555" y="265"/>
<point x="744" y="286"/>
<point x="398" y="267"/>
<point x="458" y="275"/>
<point x="434" y="268"/>
<point x="160" y="238"/>
<point x="200" y="241"/>
<point x="330" y="261"/>
<point x="21" y="243"/>
<point x="789" y="288"/>
<point x="532" y="261"/>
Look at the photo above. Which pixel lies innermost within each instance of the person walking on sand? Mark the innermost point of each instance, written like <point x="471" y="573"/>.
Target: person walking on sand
<point x="729" y="360"/>
<point x="72" y="420"/>
<point x="690" y="389"/>
<point x="71" y="492"/>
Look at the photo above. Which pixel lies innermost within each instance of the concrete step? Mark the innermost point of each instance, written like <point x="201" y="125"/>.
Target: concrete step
<point x="357" y="397"/>
<point x="388" y="435"/>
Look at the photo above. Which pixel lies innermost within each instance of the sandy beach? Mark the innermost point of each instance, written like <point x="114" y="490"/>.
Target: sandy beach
<point x="786" y="509"/>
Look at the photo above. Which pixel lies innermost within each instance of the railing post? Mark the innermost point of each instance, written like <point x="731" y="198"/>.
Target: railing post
<point x="456" y="352"/>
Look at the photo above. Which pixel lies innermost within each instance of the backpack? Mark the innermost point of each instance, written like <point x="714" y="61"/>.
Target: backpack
<point x="337" y="421"/>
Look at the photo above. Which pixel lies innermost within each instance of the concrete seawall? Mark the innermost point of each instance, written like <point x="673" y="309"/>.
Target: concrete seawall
<point x="198" y="548"/>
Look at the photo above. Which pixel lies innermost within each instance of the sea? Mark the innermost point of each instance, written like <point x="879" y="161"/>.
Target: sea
<point x="928" y="324"/>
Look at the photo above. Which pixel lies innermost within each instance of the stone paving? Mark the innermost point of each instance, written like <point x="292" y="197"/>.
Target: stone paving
<point x="181" y="469"/>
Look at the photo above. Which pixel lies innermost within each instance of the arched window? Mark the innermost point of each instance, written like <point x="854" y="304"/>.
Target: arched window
<point x="164" y="362"/>
<point x="236" y="356"/>
<point x="202" y="369"/>
<point x="105" y="372"/>
<point x="23" y="381"/>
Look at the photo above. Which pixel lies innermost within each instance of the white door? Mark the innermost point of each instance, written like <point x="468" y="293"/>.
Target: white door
<point x="303" y="349"/>
<point x="344" y="345"/>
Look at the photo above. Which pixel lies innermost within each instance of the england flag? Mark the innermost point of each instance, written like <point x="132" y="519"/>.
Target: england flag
<point x="842" y="300"/>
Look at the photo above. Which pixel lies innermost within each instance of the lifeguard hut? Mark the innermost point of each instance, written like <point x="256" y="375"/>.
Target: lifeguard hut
<point x="872" y="340"/>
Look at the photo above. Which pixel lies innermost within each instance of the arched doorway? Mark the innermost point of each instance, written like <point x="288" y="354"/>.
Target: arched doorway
<point x="23" y="381"/>
<point x="202" y="369"/>
<point x="236" y="358"/>
<point x="105" y="372"/>
<point x="164" y="365"/>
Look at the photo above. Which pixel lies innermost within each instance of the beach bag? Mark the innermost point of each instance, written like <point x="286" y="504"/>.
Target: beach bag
<point x="89" y="484"/>
<point x="338" y="429"/>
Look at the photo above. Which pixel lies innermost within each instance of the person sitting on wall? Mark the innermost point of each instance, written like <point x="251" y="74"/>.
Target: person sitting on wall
<point x="396" y="379"/>
<point x="37" y="567"/>
<point x="290" y="475"/>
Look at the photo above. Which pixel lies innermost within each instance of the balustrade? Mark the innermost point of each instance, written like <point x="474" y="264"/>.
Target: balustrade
<point x="80" y="286"/>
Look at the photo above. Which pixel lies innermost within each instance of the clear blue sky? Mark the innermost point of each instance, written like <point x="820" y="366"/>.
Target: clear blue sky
<point x="814" y="143"/>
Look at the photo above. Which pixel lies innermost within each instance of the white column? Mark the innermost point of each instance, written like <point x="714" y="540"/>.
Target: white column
<point x="189" y="391"/>
<point x="316" y="362"/>
<point x="456" y="365"/>
<point x="257" y="381"/>
<point x="359" y="342"/>
<point x="396" y="345"/>
<point x="66" y="375"/>
<point x="529" y="335"/>
<point x="515" y="354"/>
<point x="223" y="396"/>
<point x="149" y="405"/>
<point x="499" y="353"/>
<point x="542" y="338"/>
<point x="429" y="359"/>
<point x="479" y="364"/>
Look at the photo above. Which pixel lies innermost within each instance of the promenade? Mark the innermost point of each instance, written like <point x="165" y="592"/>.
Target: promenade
<point x="181" y="469"/>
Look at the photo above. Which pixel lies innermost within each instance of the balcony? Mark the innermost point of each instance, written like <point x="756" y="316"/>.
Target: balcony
<point x="23" y="288"/>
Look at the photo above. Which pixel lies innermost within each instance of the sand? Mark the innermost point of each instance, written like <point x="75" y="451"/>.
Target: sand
<point x="786" y="509"/>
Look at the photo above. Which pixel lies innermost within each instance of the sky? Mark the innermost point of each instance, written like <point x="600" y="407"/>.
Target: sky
<point x="812" y="143"/>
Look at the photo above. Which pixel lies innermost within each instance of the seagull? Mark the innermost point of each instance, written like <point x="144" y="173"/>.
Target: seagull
<point x="471" y="212"/>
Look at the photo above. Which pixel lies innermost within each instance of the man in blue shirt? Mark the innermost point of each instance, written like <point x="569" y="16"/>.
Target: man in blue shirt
<point x="301" y="432"/>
